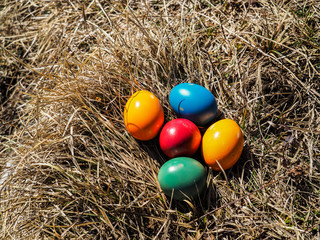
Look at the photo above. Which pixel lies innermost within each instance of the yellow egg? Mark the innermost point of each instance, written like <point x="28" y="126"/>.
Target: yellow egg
<point x="143" y="115"/>
<point x="222" y="142"/>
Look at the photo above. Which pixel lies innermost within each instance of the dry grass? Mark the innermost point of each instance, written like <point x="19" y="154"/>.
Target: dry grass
<point x="73" y="172"/>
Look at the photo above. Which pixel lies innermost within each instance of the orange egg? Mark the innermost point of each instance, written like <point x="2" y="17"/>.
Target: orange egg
<point x="143" y="115"/>
<point x="222" y="142"/>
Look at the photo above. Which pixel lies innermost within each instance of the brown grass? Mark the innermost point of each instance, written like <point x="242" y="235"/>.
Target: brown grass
<point x="73" y="172"/>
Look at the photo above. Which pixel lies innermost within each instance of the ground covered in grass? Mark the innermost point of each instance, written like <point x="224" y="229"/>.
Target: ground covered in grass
<point x="70" y="170"/>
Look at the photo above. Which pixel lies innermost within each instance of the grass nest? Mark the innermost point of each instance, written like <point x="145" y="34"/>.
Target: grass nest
<point x="70" y="170"/>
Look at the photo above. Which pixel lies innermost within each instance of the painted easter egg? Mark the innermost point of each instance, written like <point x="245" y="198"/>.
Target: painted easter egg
<point x="179" y="137"/>
<point x="193" y="102"/>
<point x="223" y="143"/>
<point x="143" y="115"/>
<point x="183" y="177"/>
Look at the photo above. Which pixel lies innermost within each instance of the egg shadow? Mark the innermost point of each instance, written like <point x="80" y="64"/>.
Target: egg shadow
<point x="241" y="172"/>
<point x="153" y="149"/>
<point x="210" y="198"/>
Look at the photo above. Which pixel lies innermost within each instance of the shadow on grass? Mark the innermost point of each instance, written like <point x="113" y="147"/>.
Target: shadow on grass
<point x="209" y="198"/>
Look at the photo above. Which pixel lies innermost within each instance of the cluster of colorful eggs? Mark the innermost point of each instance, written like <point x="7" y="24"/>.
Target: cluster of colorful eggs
<point x="221" y="145"/>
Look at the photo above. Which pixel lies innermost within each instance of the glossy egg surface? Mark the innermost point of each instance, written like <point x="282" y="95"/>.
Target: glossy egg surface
<point x="193" y="102"/>
<point x="179" y="137"/>
<point x="222" y="142"/>
<point x="143" y="115"/>
<point x="183" y="176"/>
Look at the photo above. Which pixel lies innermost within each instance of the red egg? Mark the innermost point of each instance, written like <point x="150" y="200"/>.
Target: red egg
<point x="179" y="137"/>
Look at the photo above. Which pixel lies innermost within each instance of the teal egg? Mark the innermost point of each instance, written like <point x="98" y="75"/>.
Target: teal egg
<point x="184" y="176"/>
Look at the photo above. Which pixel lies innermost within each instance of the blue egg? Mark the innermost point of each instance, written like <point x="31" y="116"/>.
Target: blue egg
<point x="193" y="102"/>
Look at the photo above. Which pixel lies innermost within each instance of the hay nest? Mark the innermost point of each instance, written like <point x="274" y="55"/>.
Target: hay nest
<point x="69" y="169"/>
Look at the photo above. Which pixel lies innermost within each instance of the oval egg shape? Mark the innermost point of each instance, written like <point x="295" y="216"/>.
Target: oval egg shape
<point x="183" y="177"/>
<point x="222" y="142"/>
<point x="179" y="137"/>
<point x="193" y="102"/>
<point x="143" y="115"/>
